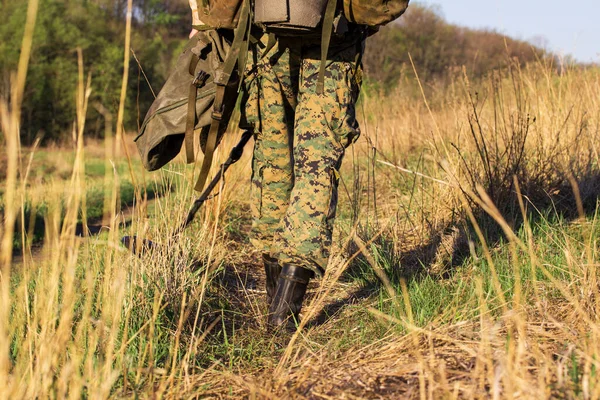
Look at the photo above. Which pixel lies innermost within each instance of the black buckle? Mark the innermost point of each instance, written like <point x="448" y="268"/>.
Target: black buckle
<point x="200" y="79"/>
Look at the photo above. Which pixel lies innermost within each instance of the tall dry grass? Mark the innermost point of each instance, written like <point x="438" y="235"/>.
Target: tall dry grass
<point x="483" y="194"/>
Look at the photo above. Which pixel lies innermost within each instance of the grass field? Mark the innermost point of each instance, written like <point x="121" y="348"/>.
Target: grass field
<point x="47" y="172"/>
<point x="465" y="260"/>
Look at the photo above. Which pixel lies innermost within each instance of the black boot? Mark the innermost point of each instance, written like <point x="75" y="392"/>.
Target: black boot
<point x="288" y="298"/>
<point x="272" y="271"/>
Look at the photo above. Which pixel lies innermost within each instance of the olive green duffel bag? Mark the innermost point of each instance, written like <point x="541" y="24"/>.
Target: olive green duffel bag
<point x="198" y="96"/>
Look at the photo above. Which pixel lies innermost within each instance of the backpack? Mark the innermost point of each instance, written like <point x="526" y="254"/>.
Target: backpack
<point x="305" y="15"/>
<point x="199" y="95"/>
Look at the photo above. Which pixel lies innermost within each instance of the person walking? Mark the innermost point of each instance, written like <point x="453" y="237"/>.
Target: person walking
<point x="303" y="117"/>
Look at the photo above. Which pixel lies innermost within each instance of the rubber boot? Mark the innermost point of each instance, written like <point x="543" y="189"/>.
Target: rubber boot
<point x="287" y="302"/>
<point x="272" y="271"/>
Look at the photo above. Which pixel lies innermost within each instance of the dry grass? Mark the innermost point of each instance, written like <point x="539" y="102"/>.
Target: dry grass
<point x="466" y="263"/>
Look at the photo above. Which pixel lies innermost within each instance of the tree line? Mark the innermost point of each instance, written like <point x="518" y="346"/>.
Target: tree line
<point x="160" y="29"/>
<point x="437" y="48"/>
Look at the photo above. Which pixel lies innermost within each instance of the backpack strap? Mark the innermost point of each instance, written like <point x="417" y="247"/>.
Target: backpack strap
<point x="221" y="80"/>
<point x="325" y="41"/>
<point x="190" y="123"/>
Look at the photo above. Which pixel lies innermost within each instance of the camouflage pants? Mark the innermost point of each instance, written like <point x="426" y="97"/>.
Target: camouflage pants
<point x="300" y="141"/>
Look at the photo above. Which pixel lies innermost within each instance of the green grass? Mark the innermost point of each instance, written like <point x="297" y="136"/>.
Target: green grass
<point x="432" y="296"/>
<point x="48" y="168"/>
<point x="155" y="288"/>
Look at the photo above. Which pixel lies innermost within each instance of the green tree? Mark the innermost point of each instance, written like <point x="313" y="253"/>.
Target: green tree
<point x="96" y="27"/>
<point x="437" y="46"/>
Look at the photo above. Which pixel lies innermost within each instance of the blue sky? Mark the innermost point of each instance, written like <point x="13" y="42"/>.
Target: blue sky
<point x="562" y="26"/>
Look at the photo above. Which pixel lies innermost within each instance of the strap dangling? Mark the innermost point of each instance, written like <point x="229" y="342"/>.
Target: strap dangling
<point x="222" y="80"/>
<point x="325" y="41"/>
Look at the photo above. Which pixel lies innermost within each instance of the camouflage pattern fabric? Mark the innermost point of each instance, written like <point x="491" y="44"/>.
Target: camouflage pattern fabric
<point x="300" y="141"/>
